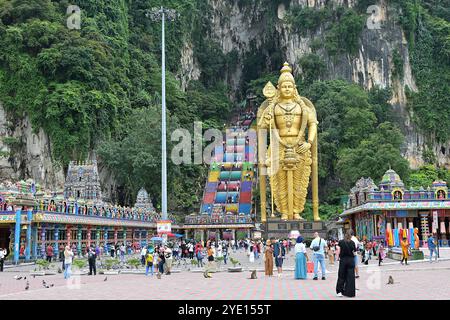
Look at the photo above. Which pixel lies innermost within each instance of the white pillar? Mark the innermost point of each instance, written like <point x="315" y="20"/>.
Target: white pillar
<point x="163" y="127"/>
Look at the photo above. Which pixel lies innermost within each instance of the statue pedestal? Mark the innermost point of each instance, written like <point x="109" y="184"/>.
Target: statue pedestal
<point x="275" y="227"/>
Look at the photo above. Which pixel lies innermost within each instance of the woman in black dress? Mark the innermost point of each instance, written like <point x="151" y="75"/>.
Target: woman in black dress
<point x="346" y="276"/>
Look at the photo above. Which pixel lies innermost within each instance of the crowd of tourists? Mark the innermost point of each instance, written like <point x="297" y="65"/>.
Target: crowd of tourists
<point x="347" y="252"/>
<point x="159" y="258"/>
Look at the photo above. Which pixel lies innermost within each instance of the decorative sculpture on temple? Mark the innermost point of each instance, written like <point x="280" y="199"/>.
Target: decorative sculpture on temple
<point x="292" y="153"/>
<point x="416" y="238"/>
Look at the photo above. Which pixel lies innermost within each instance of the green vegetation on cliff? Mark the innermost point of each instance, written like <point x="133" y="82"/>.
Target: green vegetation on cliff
<point x="427" y="27"/>
<point x="341" y="26"/>
<point x="98" y="88"/>
<point x="94" y="86"/>
<point x="429" y="44"/>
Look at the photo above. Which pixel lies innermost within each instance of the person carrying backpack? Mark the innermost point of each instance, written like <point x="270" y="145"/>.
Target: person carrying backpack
<point x="318" y="246"/>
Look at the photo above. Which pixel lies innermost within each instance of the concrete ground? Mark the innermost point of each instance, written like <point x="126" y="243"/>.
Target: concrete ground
<point x="419" y="280"/>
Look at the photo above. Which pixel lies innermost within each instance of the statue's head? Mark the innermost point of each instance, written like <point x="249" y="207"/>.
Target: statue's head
<point x="286" y="82"/>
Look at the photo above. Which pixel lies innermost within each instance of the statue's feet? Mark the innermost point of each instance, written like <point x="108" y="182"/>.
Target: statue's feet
<point x="284" y="217"/>
<point x="298" y="217"/>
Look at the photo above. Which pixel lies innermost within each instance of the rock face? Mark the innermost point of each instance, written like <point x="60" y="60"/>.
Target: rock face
<point x="29" y="156"/>
<point x="246" y="28"/>
<point x="189" y="67"/>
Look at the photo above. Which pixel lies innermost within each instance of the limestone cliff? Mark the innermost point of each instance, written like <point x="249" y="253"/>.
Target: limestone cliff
<point x="244" y="28"/>
<point x="26" y="154"/>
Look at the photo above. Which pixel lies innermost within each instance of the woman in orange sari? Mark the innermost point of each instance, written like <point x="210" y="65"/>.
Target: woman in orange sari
<point x="268" y="263"/>
<point x="405" y="247"/>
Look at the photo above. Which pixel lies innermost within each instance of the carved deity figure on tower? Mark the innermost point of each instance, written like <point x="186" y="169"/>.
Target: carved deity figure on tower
<point x="291" y="156"/>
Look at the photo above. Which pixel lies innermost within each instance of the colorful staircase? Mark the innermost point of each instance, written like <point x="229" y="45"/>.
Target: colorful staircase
<point x="228" y="189"/>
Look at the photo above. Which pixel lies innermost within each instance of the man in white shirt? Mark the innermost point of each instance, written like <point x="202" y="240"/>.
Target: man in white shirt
<point x="318" y="246"/>
<point x="3" y="253"/>
<point x="143" y="254"/>
<point x="355" y="240"/>
<point x="191" y="250"/>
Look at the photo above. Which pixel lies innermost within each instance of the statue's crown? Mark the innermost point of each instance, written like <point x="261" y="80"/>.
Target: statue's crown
<point x="286" y="74"/>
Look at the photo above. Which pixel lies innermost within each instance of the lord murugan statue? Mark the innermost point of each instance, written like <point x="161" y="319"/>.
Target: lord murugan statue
<point x="291" y="156"/>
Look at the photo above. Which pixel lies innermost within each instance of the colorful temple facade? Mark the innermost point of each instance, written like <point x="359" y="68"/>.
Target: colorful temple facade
<point x="390" y="211"/>
<point x="32" y="218"/>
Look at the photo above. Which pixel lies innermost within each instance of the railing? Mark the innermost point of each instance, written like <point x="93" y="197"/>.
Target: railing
<point x="346" y="207"/>
<point x="407" y="196"/>
<point x="92" y="215"/>
<point x="128" y="217"/>
<point x="218" y="220"/>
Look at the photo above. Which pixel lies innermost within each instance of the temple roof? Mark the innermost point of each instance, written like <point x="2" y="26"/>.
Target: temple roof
<point x="364" y="184"/>
<point x="143" y="200"/>
<point x="390" y="180"/>
<point x="405" y="205"/>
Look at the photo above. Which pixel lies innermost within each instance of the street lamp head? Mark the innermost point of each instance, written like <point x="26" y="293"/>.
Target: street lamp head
<point x="171" y="14"/>
<point x="156" y="14"/>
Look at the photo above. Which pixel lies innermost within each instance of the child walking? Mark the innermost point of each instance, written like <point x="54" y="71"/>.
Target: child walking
<point x="381" y="253"/>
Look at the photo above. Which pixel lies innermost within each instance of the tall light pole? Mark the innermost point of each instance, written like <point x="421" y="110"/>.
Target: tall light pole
<point x="157" y="14"/>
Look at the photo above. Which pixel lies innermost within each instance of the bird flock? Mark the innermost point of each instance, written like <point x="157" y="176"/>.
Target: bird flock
<point x="27" y="285"/>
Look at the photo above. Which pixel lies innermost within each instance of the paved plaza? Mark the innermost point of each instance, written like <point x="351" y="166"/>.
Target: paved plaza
<point x="419" y="280"/>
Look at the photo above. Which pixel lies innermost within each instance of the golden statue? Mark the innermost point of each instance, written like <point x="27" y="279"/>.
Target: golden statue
<point x="290" y="157"/>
